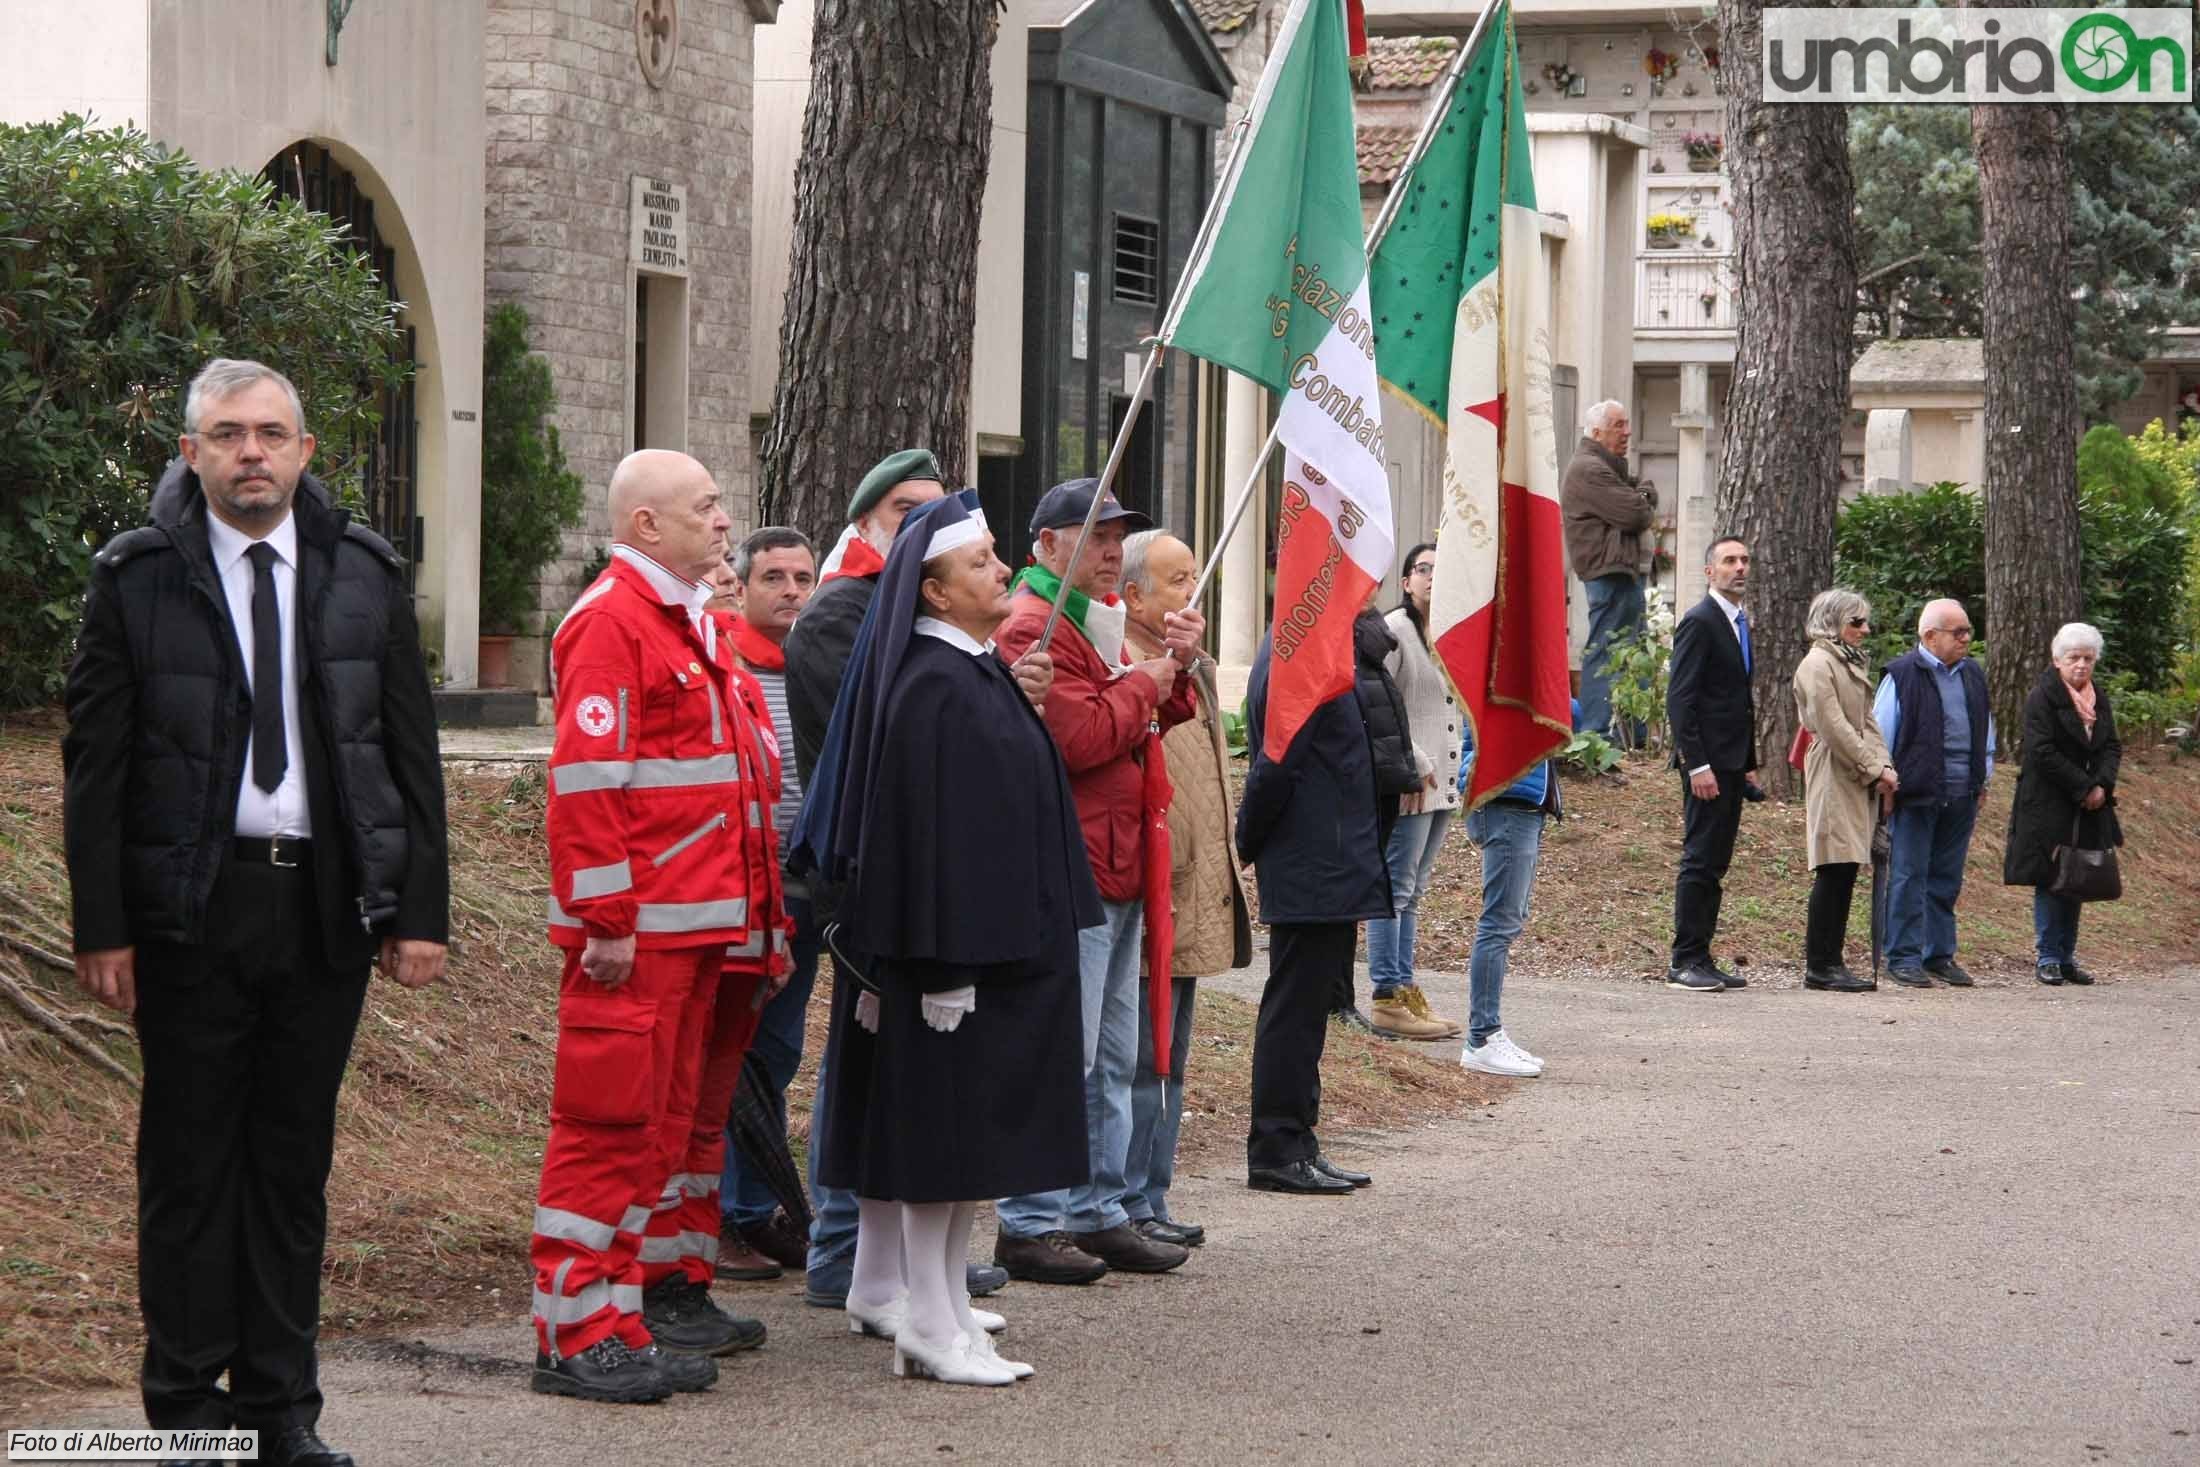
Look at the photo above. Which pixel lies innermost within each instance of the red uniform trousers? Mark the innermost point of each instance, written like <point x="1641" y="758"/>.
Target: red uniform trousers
<point x="617" y="1124"/>
<point x="683" y="1226"/>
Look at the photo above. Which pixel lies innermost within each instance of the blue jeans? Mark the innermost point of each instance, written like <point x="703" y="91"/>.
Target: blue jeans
<point x="1512" y="843"/>
<point x="1616" y="610"/>
<point x="2055" y="924"/>
<point x="1107" y="971"/>
<point x="1411" y="855"/>
<point x="1925" y="876"/>
<point x="832" y="1210"/>
<point x="1157" y="1107"/>
<point x="743" y="1197"/>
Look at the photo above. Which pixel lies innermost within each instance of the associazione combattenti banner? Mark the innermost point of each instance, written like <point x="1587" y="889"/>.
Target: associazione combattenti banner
<point x="1978" y="55"/>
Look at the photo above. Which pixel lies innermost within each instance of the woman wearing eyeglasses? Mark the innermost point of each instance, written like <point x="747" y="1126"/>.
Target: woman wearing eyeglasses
<point x="1845" y="772"/>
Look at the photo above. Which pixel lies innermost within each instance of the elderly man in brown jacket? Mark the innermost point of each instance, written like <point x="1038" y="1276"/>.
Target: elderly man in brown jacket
<point x="1213" y="922"/>
<point x="1606" y="513"/>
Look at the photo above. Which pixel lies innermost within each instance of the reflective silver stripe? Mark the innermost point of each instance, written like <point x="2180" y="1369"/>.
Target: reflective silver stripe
<point x="637" y="1218"/>
<point x="591" y="774"/>
<point x="597" y="881"/>
<point x="557" y="1309"/>
<point x="679" y="1246"/>
<point x="714" y="823"/>
<point x="672" y="916"/>
<point x="753" y="948"/>
<point x="756" y="816"/>
<point x="668" y="774"/>
<point x="557" y="1291"/>
<point x="622" y="720"/>
<point x="553" y="1222"/>
<point x="691" y="916"/>
<point x="717" y="724"/>
<point x="693" y="1184"/>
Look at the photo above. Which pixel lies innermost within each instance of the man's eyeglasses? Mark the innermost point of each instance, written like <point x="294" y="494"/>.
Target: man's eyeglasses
<point x="232" y="436"/>
<point x="1961" y="634"/>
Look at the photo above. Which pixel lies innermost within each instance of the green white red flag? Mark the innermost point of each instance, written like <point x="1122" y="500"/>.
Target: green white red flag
<point x="1279" y="294"/>
<point x="1461" y="295"/>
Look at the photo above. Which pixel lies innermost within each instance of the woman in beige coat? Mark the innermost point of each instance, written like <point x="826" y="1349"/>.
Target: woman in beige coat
<point x="1844" y="774"/>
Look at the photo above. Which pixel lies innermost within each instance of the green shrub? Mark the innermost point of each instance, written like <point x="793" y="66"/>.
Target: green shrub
<point x="529" y="498"/>
<point x="1638" y="667"/>
<point x="2111" y="466"/>
<point x="123" y="269"/>
<point x="1590" y="753"/>
<point x="1902" y="550"/>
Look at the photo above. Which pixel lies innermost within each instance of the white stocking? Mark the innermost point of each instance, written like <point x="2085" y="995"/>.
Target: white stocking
<point x="957" y="1266"/>
<point x="925" y="1229"/>
<point x="879" y="1273"/>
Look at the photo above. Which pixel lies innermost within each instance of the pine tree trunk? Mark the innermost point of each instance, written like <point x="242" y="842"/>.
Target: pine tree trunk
<point x="1780" y="463"/>
<point x="875" y="342"/>
<point x="2032" y="420"/>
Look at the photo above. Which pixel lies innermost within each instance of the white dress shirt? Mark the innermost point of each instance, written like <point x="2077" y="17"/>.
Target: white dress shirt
<point x="283" y="812"/>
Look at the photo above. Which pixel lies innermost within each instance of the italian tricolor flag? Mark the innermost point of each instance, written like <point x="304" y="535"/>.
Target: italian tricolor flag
<point x="1462" y="306"/>
<point x="1280" y="294"/>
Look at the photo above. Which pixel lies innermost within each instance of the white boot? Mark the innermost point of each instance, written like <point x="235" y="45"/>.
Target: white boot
<point x="954" y="1362"/>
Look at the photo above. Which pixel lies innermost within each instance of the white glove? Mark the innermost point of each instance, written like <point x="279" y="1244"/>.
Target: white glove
<point x="867" y="1011"/>
<point x="943" y="1011"/>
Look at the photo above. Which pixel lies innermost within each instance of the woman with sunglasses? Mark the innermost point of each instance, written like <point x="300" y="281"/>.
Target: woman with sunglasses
<point x="1845" y="772"/>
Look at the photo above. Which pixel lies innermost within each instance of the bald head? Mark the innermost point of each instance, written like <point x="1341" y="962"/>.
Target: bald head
<point x="665" y="505"/>
<point x="1944" y="627"/>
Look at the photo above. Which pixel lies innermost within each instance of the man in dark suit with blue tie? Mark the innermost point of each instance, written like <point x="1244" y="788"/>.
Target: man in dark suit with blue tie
<point x="1714" y="724"/>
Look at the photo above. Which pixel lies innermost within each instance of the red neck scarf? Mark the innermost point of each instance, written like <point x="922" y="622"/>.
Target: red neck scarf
<point x="757" y="650"/>
<point x="853" y="556"/>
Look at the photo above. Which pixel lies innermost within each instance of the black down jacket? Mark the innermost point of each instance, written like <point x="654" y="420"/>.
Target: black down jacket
<point x="1389" y="727"/>
<point x="160" y="712"/>
<point x="1310" y="825"/>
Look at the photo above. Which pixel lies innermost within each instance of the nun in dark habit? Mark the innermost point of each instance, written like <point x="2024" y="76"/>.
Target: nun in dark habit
<point x="956" y="1058"/>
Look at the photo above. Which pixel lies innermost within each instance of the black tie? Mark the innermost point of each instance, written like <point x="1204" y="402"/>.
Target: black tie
<point x="269" y="758"/>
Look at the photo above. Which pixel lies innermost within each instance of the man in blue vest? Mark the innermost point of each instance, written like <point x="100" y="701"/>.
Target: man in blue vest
<point x="1931" y="706"/>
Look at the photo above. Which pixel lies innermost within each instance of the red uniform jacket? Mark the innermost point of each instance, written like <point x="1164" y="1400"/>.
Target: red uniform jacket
<point x="1100" y="722"/>
<point x="660" y="782"/>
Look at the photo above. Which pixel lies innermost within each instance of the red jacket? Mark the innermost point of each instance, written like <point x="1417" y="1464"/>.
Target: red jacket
<point x="660" y="784"/>
<point x="1100" y="722"/>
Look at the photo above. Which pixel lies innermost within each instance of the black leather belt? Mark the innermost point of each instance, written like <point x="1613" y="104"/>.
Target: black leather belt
<point x="285" y="851"/>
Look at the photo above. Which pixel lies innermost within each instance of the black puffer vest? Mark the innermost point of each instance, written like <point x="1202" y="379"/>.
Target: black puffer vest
<point x="194" y="706"/>
<point x="1389" y="729"/>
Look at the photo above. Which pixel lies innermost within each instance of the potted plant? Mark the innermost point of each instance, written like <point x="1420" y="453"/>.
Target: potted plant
<point x="529" y="498"/>
<point x="1668" y="230"/>
<point x="1704" y="150"/>
<point x="1710" y="299"/>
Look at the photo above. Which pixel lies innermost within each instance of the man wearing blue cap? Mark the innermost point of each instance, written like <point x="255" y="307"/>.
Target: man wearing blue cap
<point x="1107" y="713"/>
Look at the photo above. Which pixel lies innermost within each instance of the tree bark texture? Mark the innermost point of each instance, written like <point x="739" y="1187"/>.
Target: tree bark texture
<point x="875" y="340"/>
<point x="1780" y="462"/>
<point x="2032" y="420"/>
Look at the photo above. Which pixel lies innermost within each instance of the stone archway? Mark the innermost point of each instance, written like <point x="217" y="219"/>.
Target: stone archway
<point x="308" y="172"/>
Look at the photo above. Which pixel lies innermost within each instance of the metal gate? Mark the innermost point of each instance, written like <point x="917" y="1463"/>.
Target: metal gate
<point x="305" y="171"/>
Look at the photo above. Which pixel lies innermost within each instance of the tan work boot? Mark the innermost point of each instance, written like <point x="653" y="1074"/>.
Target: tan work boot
<point x="1395" y="1017"/>
<point x="1418" y="1002"/>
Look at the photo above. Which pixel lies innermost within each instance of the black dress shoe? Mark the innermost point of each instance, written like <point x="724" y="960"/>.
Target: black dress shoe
<point x="1127" y="1250"/>
<point x="1696" y="979"/>
<point x="1834" y="980"/>
<point x="1329" y="1168"/>
<point x="1949" y="973"/>
<point x="1352" y="1018"/>
<point x="1298" y="1177"/>
<point x="2051" y="974"/>
<point x="2072" y="973"/>
<point x="1167" y="1230"/>
<point x="298" y="1446"/>
<point x="1915" y="977"/>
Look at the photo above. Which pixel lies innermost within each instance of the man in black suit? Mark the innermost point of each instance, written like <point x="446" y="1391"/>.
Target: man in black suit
<point x="1714" y="723"/>
<point x="254" y="815"/>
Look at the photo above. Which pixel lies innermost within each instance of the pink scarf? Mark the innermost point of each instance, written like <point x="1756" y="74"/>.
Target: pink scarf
<point x="2083" y="699"/>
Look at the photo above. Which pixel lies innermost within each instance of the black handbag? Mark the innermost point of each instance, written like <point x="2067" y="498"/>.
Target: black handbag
<point x="2086" y="876"/>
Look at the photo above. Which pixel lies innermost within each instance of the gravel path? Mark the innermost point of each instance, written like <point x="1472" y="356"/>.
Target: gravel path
<point x="1768" y="1226"/>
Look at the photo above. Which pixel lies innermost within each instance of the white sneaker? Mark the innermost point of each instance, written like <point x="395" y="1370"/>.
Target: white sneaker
<point x="1501" y="1037"/>
<point x="1496" y="1057"/>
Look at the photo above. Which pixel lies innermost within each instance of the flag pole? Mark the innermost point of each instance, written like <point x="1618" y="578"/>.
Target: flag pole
<point x="1146" y="374"/>
<point x="1391" y="204"/>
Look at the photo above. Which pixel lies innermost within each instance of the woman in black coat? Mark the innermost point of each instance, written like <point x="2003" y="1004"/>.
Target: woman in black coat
<point x="2066" y="794"/>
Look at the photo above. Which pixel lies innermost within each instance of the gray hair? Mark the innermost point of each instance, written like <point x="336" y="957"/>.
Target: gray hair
<point x="771" y="537"/>
<point x="1135" y="550"/>
<point x="225" y="377"/>
<point x="1830" y="612"/>
<point x="1599" y="417"/>
<point x="2076" y="636"/>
